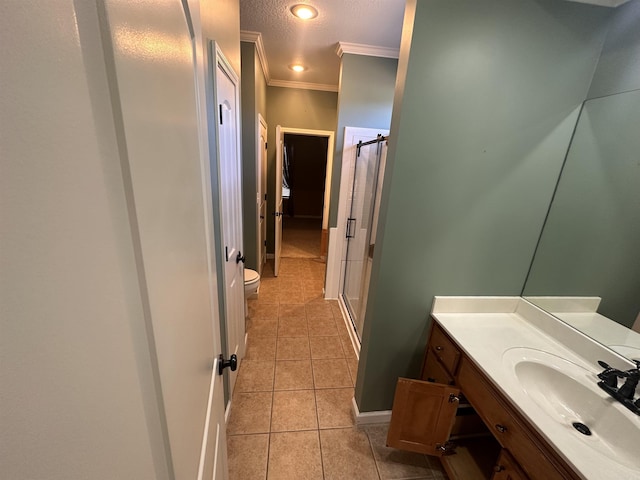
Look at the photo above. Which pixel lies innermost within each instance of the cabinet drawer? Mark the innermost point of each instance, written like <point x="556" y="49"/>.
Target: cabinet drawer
<point x="444" y="349"/>
<point x="504" y="425"/>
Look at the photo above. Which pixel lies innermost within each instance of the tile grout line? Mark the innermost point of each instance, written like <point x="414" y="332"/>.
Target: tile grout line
<point x="272" y="393"/>
<point x="315" y="399"/>
<point x="373" y="454"/>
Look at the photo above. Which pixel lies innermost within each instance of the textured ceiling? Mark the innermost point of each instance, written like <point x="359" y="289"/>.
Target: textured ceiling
<point x="288" y="39"/>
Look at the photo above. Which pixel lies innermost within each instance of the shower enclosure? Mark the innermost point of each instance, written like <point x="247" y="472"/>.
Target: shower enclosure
<point x="360" y="229"/>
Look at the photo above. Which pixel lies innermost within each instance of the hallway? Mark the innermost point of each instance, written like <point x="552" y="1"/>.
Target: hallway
<point x="291" y="417"/>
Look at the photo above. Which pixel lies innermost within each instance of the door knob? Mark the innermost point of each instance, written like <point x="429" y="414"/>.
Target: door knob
<point x="231" y="363"/>
<point x="240" y="258"/>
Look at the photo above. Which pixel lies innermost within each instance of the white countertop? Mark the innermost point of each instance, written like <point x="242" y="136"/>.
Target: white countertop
<point x="486" y="327"/>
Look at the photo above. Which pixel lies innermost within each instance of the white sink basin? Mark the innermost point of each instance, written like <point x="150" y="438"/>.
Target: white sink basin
<point x="569" y="395"/>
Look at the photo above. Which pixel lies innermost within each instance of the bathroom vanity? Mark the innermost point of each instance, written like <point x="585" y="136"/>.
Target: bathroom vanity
<point x="528" y="378"/>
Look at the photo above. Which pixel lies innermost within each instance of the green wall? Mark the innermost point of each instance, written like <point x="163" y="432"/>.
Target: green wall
<point x="619" y="65"/>
<point x="254" y="102"/>
<point x="365" y="100"/>
<point x="293" y="108"/>
<point x="491" y="94"/>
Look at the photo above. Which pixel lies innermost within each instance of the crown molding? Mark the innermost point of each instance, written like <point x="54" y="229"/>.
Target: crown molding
<point x="303" y="85"/>
<point x="256" y="38"/>
<point x="369" y="50"/>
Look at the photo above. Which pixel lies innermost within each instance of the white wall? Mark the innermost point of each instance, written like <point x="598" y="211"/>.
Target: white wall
<point x="76" y="396"/>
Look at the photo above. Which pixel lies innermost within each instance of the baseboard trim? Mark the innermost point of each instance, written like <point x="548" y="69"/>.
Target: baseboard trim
<point x="369" y="418"/>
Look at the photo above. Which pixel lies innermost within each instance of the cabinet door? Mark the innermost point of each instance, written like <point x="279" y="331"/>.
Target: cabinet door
<point x="507" y="469"/>
<point x="422" y="416"/>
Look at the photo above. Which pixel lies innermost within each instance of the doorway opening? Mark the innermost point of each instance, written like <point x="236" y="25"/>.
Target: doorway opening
<point x="304" y="167"/>
<point x="304" y="161"/>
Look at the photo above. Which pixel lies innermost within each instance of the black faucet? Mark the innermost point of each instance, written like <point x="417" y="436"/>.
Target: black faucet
<point x="624" y="394"/>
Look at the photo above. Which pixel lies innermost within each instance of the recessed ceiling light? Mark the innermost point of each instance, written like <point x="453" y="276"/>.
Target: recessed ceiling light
<point x="297" y="67"/>
<point x="305" y="12"/>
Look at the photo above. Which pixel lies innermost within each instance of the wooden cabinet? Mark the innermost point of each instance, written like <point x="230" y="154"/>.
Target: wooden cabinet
<point x="426" y="411"/>
<point x="511" y="431"/>
<point x="507" y="468"/>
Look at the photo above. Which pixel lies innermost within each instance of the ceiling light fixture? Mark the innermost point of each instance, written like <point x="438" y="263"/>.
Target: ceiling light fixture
<point x="297" y="67"/>
<point x="305" y="12"/>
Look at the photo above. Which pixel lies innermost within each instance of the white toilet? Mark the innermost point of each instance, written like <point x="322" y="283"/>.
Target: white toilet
<point x="251" y="286"/>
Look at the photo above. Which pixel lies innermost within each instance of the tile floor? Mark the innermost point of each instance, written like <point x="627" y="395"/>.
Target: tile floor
<point x="291" y="416"/>
<point x="301" y="237"/>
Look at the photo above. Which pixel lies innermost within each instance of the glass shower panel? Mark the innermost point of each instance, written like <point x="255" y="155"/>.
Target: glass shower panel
<point x="359" y="223"/>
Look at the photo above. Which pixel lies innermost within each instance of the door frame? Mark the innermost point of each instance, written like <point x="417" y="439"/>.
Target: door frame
<point x="205" y="100"/>
<point x="226" y="67"/>
<point x="330" y="135"/>
<point x="260" y="171"/>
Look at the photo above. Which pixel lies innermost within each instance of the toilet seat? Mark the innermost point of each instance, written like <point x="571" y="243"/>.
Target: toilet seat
<point x="250" y="277"/>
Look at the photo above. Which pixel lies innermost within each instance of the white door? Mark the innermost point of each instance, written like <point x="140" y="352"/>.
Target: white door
<point x="231" y="209"/>
<point x="261" y="196"/>
<point x="278" y="205"/>
<point x="157" y="127"/>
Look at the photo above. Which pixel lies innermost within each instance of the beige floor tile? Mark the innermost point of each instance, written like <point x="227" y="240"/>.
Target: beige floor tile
<point x="293" y="348"/>
<point x="291" y="311"/>
<point x="255" y="376"/>
<point x="318" y="310"/>
<point x="295" y="456"/>
<point x="293" y="327"/>
<point x="247" y="456"/>
<point x="332" y="373"/>
<point x="294" y="410"/>
<point x="293" y="375"/>
<point x="293" y="297"/>
<point x="260" y="348"/>
<point x="321" y="327"/>
<point x="261" y="310"/>
<point x="310" y="282"/>
<point x="395" y="464"/>
<point x="347" y="346"/>
<point x="326" y="347"/>
<point x="334" y="407"/>
<point x="312" y="296"/>
<point x="268" y="285"/>
<point x="346" y="454"/>
<point x="342" y="326"/>
<point x="250" y="413"/>
<point x="263" y="327"/>
<point x="269" y="297"/>
<point x="290" y="285"/>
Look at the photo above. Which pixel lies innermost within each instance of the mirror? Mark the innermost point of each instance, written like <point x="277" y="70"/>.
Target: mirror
<point x="590" y="242"/>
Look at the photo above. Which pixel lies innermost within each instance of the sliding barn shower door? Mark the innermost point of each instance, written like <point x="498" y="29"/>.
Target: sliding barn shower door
<point x="360" y="230"/>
